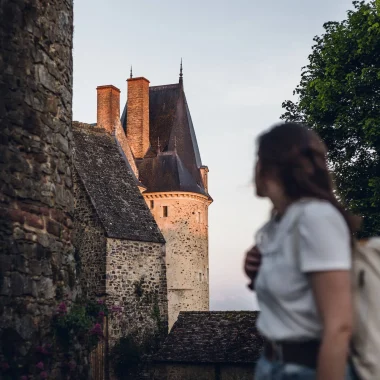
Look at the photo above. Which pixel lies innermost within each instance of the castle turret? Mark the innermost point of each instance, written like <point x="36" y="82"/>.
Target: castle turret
<point x="177" y="195"/>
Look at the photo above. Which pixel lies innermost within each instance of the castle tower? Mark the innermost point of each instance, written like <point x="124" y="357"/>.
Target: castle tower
<point x="176" y="187"/>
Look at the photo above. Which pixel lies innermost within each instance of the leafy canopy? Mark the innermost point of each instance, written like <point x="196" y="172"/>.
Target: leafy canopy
<point x="339" y="97"/>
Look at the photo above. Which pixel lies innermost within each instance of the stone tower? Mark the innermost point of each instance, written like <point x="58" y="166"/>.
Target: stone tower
<point x="161" y="136"/>
<point x="36" y="253"/>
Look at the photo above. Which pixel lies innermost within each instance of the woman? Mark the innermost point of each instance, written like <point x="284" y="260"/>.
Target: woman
<point x="300" y="266"/>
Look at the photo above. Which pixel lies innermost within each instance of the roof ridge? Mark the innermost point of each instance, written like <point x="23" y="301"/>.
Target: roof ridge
<point x="164" y="87"/>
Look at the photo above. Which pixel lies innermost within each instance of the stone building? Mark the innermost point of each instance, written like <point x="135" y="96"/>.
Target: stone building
<point x="161" y="136"/>
<point x="120" y="249"/>
<point x="157" y="139"/>
<point x="210" y="346"/>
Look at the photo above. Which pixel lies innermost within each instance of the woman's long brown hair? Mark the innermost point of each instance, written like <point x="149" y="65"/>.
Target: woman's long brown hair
<point x="298" y="158"/>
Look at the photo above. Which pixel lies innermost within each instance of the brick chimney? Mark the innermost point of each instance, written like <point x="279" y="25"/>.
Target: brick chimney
<point x="138" y="116"/>
<point x="108" y="108"/>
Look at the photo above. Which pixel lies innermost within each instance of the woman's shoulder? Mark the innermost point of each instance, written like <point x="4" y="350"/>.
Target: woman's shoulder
<point x="320" y="212"/>
<point x="318" y="207"/>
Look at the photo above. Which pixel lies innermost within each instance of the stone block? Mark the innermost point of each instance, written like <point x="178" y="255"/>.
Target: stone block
<point x="17" y="284"/>
<point x="17" y="216"/>
<point x="35" y="267"/>
<point x="34" y="221"/>
<point x="5" y="286"/>
<point x="45" y="288"/>
<point x="20" y="263"/>
<point x="5" y="263"/>
<point x="53" y="228"/>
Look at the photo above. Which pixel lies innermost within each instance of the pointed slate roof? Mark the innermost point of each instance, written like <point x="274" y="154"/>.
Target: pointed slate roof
<point x="166" y="172"/>
<point x="111" y="186"/>
<point x="213" y="337"/>
<point x="171" y="128"/>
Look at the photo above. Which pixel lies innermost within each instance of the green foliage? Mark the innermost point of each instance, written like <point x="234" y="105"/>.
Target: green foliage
<point x="126" y="357"/>
<point x="139" y="290"/>
<point x="339" y="97"/>
<point x="129" y="355"/>
<point x="133" y="351"/>
<point x="79" y="323"/>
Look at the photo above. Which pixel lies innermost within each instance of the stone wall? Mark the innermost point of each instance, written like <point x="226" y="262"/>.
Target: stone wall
<point x="36" y="200"/>
<point x="90" y="243"/>
<point x="185" y="229"/>
<point x="136" y="282"/>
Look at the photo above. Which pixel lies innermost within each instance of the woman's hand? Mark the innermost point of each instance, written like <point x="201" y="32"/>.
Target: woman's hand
<point x="252" y="264"/>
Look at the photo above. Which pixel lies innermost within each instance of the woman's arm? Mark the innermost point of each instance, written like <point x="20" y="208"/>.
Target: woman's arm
<point x="252" y="265"/>
<point x="332" y="292"/>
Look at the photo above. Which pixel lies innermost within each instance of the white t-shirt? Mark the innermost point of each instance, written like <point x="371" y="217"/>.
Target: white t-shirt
<point x="312" y="236"/>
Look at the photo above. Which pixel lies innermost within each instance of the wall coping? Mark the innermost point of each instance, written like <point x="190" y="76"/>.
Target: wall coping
<point x="177" y="194"/>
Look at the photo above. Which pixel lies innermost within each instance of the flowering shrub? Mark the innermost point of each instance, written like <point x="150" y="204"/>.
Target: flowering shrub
<point x="82" y="321"/>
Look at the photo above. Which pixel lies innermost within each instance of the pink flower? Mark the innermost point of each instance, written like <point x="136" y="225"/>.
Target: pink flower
<point x="43" y="350"/>
<point x="40" y="365"/>
<point x="97" y="330"/>
<point x="43" y="375"/>
<point x="39" y="348"/>
<point x="100" y="302"/>
<point x="24" y="377"/>
<point x="4" y="366"/>
<point x="72" y="365"/>
<point x="62" y="309"/>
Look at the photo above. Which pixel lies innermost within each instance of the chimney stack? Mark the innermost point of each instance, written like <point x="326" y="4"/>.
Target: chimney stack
<point x="108" y="107"/>
<point x="138" y="116"/>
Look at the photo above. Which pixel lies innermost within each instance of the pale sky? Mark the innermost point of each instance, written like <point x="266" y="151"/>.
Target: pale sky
<point x="241" y="59"/>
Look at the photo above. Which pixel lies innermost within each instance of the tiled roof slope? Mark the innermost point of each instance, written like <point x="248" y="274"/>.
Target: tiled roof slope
<point x="213" y="337"/>
<point x="171" y="131"/>
<point x="166" y="172"/>
<point x="111" y="186"/>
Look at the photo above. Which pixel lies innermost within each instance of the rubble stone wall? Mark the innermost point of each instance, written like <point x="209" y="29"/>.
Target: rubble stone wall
<point x="136" y="282"/>
<point x="90" y="243"/>
<point x="183" y="220"/>
<point x="37" y="264"/>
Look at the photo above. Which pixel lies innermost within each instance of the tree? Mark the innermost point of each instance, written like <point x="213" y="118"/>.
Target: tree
<point x="339" y="97"/>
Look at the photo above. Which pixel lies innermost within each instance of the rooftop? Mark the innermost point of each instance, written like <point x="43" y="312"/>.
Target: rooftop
<point x="213" y="337"/>
<point x="171" y="131"/>
<point x="111" y="186"/>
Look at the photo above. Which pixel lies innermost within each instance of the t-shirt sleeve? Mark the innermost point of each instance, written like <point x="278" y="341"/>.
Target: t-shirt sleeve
<point x="324" y="239"/>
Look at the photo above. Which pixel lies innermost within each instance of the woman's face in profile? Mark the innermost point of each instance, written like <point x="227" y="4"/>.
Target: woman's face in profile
<point x="259" y="181"/>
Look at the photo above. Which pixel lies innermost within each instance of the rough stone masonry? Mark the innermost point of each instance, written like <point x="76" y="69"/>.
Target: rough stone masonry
<point x="36" y="253"/>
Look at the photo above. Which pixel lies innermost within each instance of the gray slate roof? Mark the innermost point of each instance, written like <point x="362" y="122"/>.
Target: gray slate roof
<point x="171" y="125"/>
<point x="112" y="187"/>
<point x="213" y="337"/>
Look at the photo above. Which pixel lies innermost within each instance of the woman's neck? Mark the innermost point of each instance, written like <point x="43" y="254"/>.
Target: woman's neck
<point x="280" y="204"/>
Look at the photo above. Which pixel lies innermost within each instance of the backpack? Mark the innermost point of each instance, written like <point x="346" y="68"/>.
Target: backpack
<point x="366" y="290"/>
<point x="365" y="342"/>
